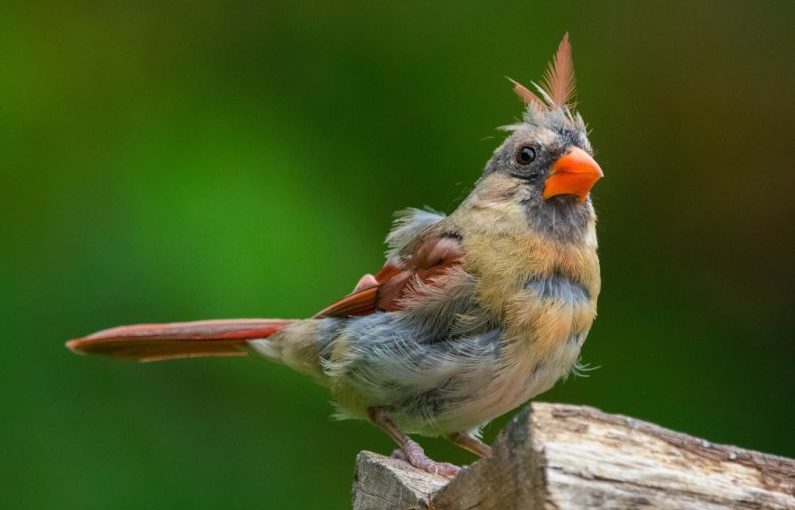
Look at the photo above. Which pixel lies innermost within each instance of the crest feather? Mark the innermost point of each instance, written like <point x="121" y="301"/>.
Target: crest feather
<point x="559" y="82"/>
<point x="525" y="94"/>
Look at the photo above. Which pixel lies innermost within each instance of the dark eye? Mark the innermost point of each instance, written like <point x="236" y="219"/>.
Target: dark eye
<point x="526" y="155"/>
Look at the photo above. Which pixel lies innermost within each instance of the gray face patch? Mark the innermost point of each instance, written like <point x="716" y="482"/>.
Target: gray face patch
<point x="562" y="218"/>
<point x="550" y="133"/>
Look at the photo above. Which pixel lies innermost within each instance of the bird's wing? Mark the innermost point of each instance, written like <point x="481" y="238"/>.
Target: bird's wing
<point x="420" y="254"/>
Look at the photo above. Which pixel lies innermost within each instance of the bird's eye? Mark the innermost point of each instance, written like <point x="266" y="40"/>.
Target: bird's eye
<point x="526" y="155"/>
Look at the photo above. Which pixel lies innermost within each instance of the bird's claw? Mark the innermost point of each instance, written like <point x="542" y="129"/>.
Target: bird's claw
<point x="413" y="453"/>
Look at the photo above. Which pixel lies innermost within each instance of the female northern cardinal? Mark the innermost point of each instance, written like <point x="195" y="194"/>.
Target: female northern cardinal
<point x="473" y="314"/>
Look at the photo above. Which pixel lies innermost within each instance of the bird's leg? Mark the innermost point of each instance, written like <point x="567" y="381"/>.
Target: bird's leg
<point x="365" y="282"/>
<point x="471" y="444"/>
<point x="411" y="450"/>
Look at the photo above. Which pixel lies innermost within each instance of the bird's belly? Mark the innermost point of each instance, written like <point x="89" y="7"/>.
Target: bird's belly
<point x="541" y="341"/>
<point x="507" y="384"/>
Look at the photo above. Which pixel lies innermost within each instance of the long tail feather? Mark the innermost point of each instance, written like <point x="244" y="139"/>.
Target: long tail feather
<point x="155" y="342"/>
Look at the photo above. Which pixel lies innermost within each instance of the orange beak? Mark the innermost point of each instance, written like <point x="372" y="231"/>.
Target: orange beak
<point x="574" y="173"/>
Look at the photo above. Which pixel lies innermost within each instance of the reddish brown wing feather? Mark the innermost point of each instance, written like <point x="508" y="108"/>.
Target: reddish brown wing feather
<point x="153" y="342"/>
<point x="433" y="257"/>
<point x="363" y="302"/>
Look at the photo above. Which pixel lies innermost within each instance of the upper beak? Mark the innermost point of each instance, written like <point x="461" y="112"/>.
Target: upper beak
<point x="574" y="173"/>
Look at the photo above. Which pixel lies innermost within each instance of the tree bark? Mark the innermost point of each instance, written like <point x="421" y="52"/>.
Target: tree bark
<point x="559" y="457"/>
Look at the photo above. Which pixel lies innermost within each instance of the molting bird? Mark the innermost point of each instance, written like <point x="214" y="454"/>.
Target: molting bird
<point x="473" y="313"/>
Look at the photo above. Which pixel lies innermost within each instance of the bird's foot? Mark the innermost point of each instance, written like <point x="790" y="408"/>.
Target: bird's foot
<point x="413" y="453"/>
<point x="410" y="450"/>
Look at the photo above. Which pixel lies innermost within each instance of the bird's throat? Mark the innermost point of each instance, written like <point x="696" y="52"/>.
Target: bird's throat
<point x="561" y="219"/>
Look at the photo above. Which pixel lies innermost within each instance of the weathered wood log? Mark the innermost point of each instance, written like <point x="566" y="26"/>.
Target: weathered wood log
<point x="555" y="456"/>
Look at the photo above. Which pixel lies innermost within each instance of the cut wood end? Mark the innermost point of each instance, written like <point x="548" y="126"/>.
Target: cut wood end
<point x="383" y="482"/>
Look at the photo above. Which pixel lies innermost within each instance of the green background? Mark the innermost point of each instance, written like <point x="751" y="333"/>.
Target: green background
<point x="177" y="161"/>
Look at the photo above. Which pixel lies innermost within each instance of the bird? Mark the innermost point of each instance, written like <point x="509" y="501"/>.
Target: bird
<point x="473" y="313"/>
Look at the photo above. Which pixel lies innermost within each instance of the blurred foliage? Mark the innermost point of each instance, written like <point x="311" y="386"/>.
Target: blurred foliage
<point x="174" y="161"/>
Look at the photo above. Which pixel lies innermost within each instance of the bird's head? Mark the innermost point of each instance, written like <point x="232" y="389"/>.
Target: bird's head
<point x="546" y="164"/>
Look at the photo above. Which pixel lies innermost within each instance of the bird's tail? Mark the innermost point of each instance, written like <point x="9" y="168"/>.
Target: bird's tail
<point x="155" y="342"/>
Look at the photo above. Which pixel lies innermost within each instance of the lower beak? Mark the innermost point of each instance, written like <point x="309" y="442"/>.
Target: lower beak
<point x="574" y="173"/>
